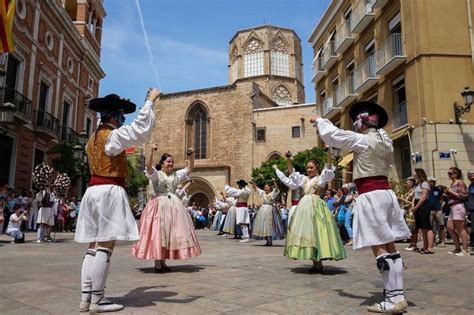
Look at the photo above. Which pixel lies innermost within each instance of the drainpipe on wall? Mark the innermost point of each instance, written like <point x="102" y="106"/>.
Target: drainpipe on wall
<point x="412" y="162"/>
<point x="471" y="33"/>
<point x="434" y="150"/>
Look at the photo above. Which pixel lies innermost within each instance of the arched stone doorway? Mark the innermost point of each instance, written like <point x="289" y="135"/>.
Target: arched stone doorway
<point x="201" y="200"/>
<point x="201" y="191"/>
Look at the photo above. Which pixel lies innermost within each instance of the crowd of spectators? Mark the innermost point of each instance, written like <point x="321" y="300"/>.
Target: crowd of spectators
<point x="19" y="213"/>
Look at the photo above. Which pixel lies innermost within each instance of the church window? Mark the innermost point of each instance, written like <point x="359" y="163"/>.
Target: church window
<point x="279" y="58"/>
<point x="197" y="130"/>
<point x="200" y="134"/>
<point x="253" y="58"/>
<point x="282" y="96"/>
<point x="295" y="132"/>
<point x="260" y="134"/>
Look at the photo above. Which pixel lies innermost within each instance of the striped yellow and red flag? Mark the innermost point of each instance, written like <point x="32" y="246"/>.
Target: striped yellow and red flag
<point x="7" y="13"/>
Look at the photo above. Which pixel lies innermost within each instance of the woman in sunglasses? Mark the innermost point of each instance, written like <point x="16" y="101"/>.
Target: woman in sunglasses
<point x="457" y="193"/>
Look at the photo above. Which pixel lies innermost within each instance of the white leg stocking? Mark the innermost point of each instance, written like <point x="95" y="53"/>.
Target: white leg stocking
<point x="86" y="281"/>
<point x="100" y="270"/>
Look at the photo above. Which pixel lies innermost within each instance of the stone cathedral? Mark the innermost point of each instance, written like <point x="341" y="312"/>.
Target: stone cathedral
<point x="259" y="115"/>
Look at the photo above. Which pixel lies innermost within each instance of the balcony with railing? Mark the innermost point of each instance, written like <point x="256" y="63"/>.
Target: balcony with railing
<point x="318" y="71"/>
<point x="391" y="54"/>
<point x="68" y="134"/>
<point x="329" y="55"/>
<point x="345" y="94"/>
<point x="21" y="103"/>
<point x="365" y="75"/>
<point x="46" y="124"/>
<point x="344" y="38"/>
<point x="362" y="15"/>
<point x="400" y="116"/>
<point x="329" y="108"/>
<point x="379" y="4"/>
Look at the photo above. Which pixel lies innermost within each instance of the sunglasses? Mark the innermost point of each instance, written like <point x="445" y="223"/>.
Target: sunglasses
<point x="450" y="173"/>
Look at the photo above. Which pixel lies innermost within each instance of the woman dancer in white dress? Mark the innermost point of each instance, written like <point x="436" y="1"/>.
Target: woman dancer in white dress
<point x="312" y="232"/>
<point x="296" y="194"/>
<point x="267" y="223"/>
<point x="229" y="221"/>
<point x="166" y="229"/>
<point x="242" y="211"/>
<point x="221" y="209"/>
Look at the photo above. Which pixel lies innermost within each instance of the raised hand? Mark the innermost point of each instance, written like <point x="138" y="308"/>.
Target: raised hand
<point x="275" y="167"/>
<point x="288" y="154"/>
<point x="154" y="147"/>
<point x="153" y="94"/>
<point x="190" y="151"/>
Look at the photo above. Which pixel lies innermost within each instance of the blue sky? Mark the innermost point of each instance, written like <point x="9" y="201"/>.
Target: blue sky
<point x="189" y="40"/>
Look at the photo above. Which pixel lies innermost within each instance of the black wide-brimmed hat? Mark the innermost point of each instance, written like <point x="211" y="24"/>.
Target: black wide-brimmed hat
<point x="371" y="108"/>
<point x="242" y="182"/>
<point x="112" y="102"/>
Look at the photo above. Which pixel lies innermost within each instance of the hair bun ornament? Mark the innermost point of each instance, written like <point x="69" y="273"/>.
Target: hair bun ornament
<point x="43" y="175"/>
<point x="62" y="183"/>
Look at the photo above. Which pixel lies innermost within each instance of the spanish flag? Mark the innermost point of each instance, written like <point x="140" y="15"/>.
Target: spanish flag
<point x="7" y="13"/>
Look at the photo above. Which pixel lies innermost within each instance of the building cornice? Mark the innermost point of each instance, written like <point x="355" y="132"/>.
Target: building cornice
<point x="198" y="91"/>
<point x="263" y="26"/>
<point x="284" y="107"/>
<point x="323" y="23"/>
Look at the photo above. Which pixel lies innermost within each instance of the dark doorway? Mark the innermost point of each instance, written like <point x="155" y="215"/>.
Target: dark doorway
<point x="6" y="147"/>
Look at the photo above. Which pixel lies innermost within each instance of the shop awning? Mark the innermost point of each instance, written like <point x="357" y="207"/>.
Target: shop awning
<point x="346" y="160"/>
<point x="399" y="133"/>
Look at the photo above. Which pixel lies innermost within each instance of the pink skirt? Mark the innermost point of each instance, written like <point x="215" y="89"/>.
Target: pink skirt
<point x="166" y="231"/>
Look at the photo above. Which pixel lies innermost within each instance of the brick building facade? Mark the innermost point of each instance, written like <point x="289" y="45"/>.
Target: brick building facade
<point x="49" y="77"/>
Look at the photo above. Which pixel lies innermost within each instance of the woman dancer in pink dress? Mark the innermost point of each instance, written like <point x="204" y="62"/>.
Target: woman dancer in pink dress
<point x="166" y="229"/>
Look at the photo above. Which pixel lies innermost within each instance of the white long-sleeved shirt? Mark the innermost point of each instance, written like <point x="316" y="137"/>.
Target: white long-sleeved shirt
<point x="340" y="138"/>
<point x="296" y="180"/>
<point x="138" y="132"/>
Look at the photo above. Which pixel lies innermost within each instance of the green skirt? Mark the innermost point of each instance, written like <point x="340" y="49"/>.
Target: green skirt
<point x="313" y="233"/>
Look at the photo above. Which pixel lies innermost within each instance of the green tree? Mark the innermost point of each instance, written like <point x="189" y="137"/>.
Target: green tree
<point x="264" y="174"/>
<point x="63" y="160"/>
<point x="135" y="180"/>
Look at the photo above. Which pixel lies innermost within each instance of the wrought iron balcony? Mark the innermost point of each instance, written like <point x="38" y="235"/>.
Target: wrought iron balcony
<point x="47" y="124"/>
<point x="344" y="38"/>
<point x="318" y="71"/>
<point x="391" y="54"/>
<point x="362" y="15"/>
<point x="68" y="134"/>
<point x="345" y="93"/>
<point x="329" y="55"/>
<point x="21" y="103"/>
<point x="365" y="75"/>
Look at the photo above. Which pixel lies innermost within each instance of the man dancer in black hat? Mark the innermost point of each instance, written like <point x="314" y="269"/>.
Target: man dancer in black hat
<point x="105" y="214"/>
<point x="242" y="210"/>
<point x="378" y="220"/>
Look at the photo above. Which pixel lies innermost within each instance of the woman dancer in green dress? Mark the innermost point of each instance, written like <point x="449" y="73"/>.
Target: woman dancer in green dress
<point x="312" y="233"/>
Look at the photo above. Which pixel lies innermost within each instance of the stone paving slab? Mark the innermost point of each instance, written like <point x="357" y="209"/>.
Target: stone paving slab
<point x="228" y="278"/>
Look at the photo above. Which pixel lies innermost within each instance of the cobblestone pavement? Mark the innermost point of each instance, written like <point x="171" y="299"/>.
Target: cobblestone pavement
<point x="229" y="277"/>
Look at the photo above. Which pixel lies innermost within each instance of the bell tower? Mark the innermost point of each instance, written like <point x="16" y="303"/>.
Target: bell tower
<point x="271" y="57"/>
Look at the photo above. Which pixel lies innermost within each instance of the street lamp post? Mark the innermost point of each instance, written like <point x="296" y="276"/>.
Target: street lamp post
<point x="468" y="96"/>
<point x="7" y="115"/>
